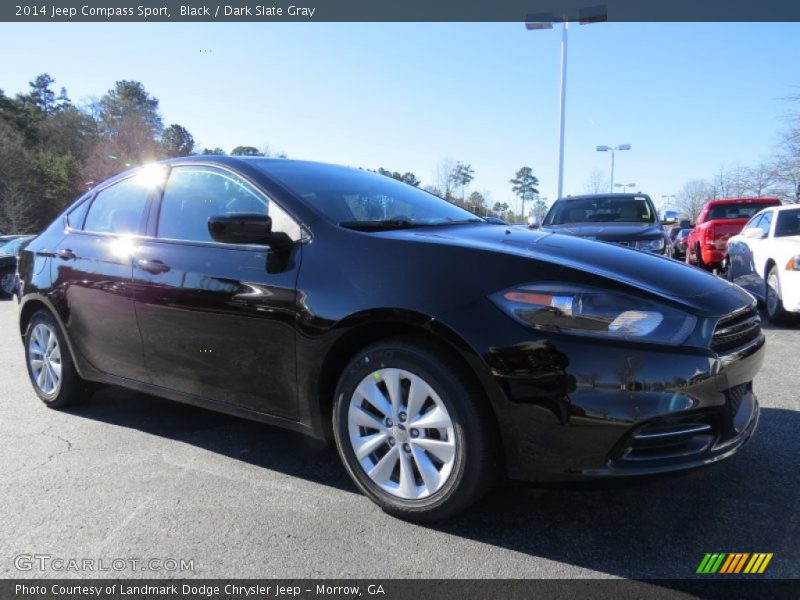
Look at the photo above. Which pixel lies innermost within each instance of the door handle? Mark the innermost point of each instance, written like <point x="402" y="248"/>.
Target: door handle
<point x="152" y="266"/>
<point x="65" y="254"/>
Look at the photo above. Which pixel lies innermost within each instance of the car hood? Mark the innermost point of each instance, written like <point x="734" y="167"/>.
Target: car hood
<point x="608" y="231"/>
<point x="687" y="285"/>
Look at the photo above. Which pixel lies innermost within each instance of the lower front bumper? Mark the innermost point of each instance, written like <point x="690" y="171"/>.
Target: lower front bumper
<point x="686" y="441"/>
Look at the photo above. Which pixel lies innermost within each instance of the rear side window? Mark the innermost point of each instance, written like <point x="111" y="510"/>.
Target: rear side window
<point x="119" y="208"/>
<point x="734" y="211"/>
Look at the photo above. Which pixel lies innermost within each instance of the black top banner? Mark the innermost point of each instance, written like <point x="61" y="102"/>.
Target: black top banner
<point x="532" y="11"/>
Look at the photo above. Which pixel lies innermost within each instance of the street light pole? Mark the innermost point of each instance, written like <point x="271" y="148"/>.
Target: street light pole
<point x="592" y="14"/>
<point x="562" y="108"/>
<point x="612" y="168"/>
<point x="613" y="149"/>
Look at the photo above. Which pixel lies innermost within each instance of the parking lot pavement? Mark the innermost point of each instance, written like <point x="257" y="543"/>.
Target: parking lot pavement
<point x="126" y="475"/>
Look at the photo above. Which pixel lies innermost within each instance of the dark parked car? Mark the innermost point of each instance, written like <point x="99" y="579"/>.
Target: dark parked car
<point x="677" y="246"/>
<point x="437" y="350"/>
<point x="623" y="219"/>
<point x="8" y="262"/>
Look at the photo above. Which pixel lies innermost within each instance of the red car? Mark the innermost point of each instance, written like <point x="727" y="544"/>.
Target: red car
<point x="718" y="221"/>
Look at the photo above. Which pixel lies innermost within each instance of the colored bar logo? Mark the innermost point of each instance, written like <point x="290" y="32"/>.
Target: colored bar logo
<point x="732" y="563"/>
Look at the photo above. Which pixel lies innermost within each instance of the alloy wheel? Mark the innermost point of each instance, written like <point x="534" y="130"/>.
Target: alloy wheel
<point x="44" y="358"/>
<point x="401" y="433"/>
<point x="772" y="293"/>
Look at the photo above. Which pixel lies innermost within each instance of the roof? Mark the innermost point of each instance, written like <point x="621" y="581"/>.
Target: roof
<point x="783" y="207"/>
<point x="614" y="196"/>
<point x="753" y="199"/>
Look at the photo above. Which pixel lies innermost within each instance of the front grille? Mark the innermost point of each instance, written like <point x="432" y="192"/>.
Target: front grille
<point x="736" y="330"/>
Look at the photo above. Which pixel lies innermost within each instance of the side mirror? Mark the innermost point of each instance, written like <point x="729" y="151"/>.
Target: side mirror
<point x="533" y="222"/>
<point x="755" y="233"/>
<point x="244" y="228"/>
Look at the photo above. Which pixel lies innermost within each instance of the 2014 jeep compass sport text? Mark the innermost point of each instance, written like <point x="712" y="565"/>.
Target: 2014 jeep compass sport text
<point x="436" y="349"/>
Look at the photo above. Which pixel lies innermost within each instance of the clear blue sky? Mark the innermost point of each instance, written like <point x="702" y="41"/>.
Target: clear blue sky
<point x="687" y="97"/>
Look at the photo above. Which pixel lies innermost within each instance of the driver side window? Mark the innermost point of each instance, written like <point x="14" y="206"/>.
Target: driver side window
<point x="195" y="193"/>
<point x="765" y="222"/>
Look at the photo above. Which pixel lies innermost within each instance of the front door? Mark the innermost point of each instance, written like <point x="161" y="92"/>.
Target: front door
<point x="214" y="322"/>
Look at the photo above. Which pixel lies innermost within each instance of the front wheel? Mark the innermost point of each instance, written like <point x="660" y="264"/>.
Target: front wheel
<point x="413" y="435"/>
<point x="774" y="304"/>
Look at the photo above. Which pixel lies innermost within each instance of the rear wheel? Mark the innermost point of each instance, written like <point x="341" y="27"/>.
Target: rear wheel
<point x="698" y="254"/>
<point x="7" y="280"/>
<point x="50" y="366"/>
<point x="774" y="304"/>
<point x="413" y="435"/>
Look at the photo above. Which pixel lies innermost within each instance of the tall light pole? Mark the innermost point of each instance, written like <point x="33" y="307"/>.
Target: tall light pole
<point x="668" y="199"/>
<point x="613" y="150"/>
<point x="625" y="185"/>
<point x="588" y="15"/>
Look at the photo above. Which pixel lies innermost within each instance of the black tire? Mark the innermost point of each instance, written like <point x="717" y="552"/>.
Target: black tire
<point x="71" y="388"/>
<point x="474" y="468"/>
<point x="699" y="256"/>
<point x="776" y="314"/>
<point x="7" y="277"/>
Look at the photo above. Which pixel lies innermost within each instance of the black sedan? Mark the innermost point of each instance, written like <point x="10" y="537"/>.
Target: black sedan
<point x="624" y="219"/>
<point x="9" y="250"/>
<point x="437" y="350"/>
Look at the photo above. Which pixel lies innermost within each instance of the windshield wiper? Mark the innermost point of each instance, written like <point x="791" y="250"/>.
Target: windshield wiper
<point x="387" y="224"/>
<point x="459" y="222"/>
<point x="381" y="225"/>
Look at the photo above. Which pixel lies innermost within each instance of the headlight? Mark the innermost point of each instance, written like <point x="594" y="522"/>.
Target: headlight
<point x="793" y="264"/>
<point x="650" y="245"/>
<point x="594" y="312"/>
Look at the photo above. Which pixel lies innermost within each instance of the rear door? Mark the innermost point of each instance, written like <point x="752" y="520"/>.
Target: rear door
<point x="215" y="322"/>
<point x="92" y="271"/>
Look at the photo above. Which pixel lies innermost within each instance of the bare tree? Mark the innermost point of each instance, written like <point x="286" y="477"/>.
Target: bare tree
<point x="443" y="177"/>
<point x="760" y="179"/>
<point x="787" y="164"/>
<point x="787" y="177"/>
<point x="693" y="195"/>
<point x="738" y="181"/>
<point x="596" y="183"/>
<point x="16" y="210"/>
<point x="720" y="184"/>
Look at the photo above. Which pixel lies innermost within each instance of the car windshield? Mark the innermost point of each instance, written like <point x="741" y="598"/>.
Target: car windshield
<point x="788" y="223"/>
<point x="734" y="211"/>
<point x="362" y="199"/>
<point x="684" y="233"/>
<point x="600" y="209"/>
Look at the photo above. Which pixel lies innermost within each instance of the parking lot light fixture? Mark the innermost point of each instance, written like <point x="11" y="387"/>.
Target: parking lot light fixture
<point x="613" y="150"/>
